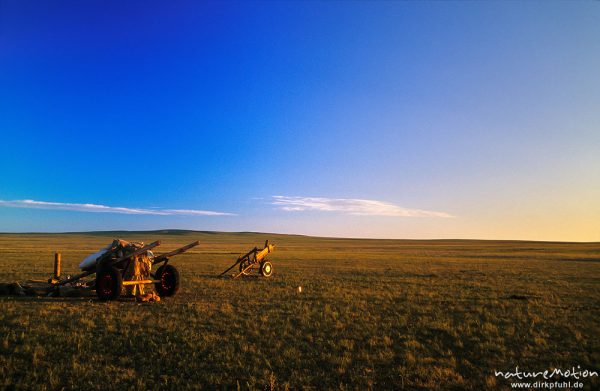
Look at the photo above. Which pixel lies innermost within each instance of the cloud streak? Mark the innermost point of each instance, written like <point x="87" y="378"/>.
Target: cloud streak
<point x="350" y="206"/>
<point x="94" y="208"/>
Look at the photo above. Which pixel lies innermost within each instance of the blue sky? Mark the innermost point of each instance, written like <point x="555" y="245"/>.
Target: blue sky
<point x="362" y="119"/>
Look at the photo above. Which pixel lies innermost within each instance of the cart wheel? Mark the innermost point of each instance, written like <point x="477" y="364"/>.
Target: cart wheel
<point x="109" y="284"/>
<point x="266" y="269"/>
<point x="168" y="277"/>
<point x="243" y="265"/>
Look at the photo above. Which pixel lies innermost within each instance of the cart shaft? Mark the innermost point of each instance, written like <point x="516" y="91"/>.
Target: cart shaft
<point x="140" y="282"/>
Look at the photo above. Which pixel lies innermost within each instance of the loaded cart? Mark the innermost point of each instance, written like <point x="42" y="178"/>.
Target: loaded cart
<point x="126" y="266"/>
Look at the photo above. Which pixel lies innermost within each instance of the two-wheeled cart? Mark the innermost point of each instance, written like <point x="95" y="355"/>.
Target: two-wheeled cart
<point x="110" y="273"/>
<point x="253" y="258"/>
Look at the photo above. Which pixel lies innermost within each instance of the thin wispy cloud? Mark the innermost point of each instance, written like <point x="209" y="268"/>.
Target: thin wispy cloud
<point x="350" y="206"/>
<point x="94" y="208"/>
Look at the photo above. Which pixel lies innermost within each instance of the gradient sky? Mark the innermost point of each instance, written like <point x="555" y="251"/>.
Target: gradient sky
<point x="362" y="119"/>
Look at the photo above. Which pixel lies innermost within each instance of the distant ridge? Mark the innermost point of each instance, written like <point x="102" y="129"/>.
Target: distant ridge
<point x="183" y="232"/>
<point x="174" y="232"/>
<point x="169" y="232"/>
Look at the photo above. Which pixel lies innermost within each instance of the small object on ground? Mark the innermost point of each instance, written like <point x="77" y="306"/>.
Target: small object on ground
<point x="299" y="289"/>
<point x="252" y="258"/>
<point x="148" y="297"/>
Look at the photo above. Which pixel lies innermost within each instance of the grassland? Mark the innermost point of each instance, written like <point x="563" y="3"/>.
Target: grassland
<point x="373" y="314"/>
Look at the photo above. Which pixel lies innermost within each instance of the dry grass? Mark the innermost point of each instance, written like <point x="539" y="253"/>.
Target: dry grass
<point x="372" y="314"/>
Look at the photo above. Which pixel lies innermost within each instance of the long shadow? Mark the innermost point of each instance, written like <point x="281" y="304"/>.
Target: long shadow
<point x="46" y="299"/>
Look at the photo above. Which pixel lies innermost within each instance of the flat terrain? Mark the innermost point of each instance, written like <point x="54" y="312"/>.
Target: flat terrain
<point x="381" y="314"/>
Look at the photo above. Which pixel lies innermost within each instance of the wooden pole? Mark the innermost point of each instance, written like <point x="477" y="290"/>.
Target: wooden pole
<point x="139" y="282"/>
<point x="57" y="265"/>
<point x="183" y="249"/>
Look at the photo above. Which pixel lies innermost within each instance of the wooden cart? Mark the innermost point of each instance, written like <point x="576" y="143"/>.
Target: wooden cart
<point x="110" y="272"/>
<point x="254" y="257"/>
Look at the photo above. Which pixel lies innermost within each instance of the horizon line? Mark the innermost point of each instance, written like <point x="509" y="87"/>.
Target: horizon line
<point x="291" y="234"/>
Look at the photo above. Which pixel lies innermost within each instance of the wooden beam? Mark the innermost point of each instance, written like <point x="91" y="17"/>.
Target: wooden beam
<point x="140" y="282"/>
<point x="180" y="250"/>
<point x="232" y="266"/>
<point x="76" y="277"/>
<point x="245" y="270"/>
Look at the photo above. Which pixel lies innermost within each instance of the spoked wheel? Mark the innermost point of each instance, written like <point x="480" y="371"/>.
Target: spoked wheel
<point x="266" y="269"/>
<point x="109" y="284"/>
<point x="168" y="280"/>
<point x="244" y="265"/>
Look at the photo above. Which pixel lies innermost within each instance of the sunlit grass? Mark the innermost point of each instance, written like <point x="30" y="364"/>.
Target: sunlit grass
<point x="372" y="314"/>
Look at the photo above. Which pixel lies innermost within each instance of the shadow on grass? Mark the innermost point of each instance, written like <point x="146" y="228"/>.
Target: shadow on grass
<point x="46" y="299"/>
